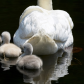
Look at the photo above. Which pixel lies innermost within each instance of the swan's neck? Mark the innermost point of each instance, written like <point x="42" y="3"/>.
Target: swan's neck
<point x="46" y="4"/>
<point x="20" y="57"/>
<point x="5" y="42"/>
<point x="0" y="40"/>
<point x="24" y="54"/>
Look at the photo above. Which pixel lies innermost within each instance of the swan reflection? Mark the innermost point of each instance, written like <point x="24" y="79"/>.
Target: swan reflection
<point x="54" y="67"/>
<point x="6" y="64"/>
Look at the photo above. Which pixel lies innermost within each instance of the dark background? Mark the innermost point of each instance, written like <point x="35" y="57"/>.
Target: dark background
<point x="10" y="11"/>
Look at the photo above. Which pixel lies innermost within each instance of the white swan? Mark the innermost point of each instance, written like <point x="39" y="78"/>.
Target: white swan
<point x="46" y="29"/>
<point x="27" y="60"/>
<point x="8" y="49"/>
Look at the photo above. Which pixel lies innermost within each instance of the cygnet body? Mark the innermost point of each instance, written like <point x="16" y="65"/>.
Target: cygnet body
<point x="27" y="60"/>
<point x="9" y="49"/>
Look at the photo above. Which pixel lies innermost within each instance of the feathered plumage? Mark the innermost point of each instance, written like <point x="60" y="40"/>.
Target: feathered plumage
<point x="7" y="48"/>
<point x="46" y="30"/>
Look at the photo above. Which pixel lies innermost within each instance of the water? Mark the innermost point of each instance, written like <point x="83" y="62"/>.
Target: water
<point x="54" y="67"/>
<point x="65" y="66"/>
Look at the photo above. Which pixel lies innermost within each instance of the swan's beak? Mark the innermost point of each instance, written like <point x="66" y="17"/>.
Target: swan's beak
<point x="43" y="44"/>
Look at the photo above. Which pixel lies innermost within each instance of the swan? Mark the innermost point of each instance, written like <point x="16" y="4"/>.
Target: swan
<point x="46" y="29"/>
<point x="8" y="49"/>
<point x="27" y="60"/>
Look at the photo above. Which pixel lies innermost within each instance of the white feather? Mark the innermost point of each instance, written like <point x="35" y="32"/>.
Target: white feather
<point x="56" y="25"/>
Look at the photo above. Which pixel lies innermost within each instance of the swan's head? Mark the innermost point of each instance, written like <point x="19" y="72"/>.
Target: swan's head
<point x="28" y="49"/>
<point x="6" y="37"/>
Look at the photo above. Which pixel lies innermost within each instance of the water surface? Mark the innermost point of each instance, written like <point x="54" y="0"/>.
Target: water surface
<point x="56" y="69"/>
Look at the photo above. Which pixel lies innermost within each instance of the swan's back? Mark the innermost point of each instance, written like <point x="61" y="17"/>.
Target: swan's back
<point x="30" y="9"/>
<point x="62" y="15"/>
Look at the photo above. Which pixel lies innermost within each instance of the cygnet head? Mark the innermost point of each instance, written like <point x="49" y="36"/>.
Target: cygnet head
<point x="6" y="37"/>
<point x="28" y="49"/>
<point x="0" y="40"/>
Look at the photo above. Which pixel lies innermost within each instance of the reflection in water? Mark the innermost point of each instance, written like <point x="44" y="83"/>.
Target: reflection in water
<point x="29" y="74"/>
<point x="77" y="49"/>
<point x="54" y="67"/>
<point x="6" y="64"/>
<point x="76" y="61"/>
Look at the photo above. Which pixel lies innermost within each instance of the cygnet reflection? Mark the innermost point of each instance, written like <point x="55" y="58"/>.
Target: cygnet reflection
<point x="29" y="74"/>
<point x="8" y="63"/>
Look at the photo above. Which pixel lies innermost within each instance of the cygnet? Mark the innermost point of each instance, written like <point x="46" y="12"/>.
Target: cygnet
<point x="27" y="60"/>
<point x="8" y="49"/>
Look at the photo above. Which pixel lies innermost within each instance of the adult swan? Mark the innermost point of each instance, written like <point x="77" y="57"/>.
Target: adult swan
<point x="46" y="29"/>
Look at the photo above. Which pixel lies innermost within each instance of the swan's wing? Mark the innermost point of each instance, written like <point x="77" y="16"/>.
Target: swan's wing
<point x="61" y="29"/>
<point x="30" y="9"/>
<point x="63" y="26"/>
<point x="29" y="26"/>
<point x="65" y="14"/>
<point x="17" y="39"/>
<point x="54" y="24"/>
<point x="36" y="22"/>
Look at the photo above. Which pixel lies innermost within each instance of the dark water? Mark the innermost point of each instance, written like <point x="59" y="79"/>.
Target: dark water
<point x="65" y="66"/>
